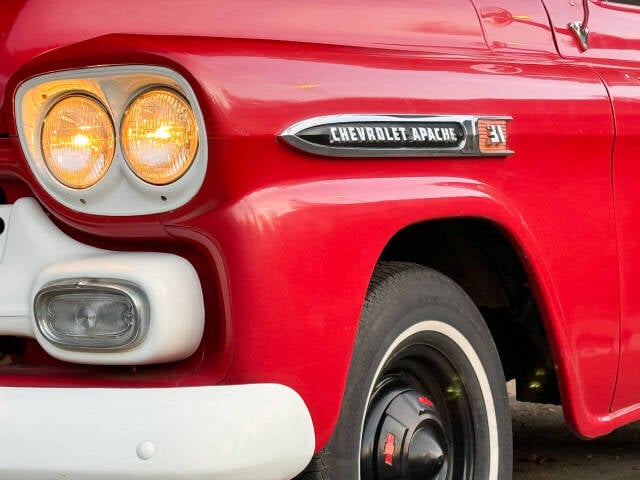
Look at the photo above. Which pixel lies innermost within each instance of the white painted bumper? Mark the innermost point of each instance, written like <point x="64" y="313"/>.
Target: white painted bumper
<point x="247" y="432"/>
<point x="33" y="252"/>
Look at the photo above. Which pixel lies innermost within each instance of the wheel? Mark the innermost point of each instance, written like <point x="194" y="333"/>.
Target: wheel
<point x="426" y="397"/>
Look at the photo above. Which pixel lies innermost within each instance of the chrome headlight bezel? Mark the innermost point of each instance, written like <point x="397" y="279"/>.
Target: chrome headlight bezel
<point x="120" y="192"/>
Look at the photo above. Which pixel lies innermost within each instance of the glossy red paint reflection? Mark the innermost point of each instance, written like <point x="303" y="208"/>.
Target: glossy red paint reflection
<point x="285" y="242"/>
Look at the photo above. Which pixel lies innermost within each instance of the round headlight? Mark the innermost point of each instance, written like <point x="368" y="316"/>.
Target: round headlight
<point x="159" y="136"/>
<point x="78" y="141"/>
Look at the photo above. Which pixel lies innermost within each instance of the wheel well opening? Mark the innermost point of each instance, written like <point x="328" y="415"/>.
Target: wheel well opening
<point x="481" y="259"/>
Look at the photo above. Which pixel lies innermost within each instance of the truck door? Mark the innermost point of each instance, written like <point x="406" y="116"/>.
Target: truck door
<point x="612" y="48"/>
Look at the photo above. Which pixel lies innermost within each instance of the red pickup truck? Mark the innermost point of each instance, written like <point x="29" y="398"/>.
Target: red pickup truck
<point x="275" y="240"/>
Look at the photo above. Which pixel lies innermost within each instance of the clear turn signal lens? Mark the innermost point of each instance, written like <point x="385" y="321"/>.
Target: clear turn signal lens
<point x="159" y="136"/>
<point x="92" y="314"/>
<point x="78" y="141"/>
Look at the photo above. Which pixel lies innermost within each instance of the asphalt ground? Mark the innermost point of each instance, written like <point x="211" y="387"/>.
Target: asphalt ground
<point x="545" y="448"/>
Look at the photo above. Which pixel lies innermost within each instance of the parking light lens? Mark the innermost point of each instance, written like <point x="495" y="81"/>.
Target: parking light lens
<point x="78" y="141"/>
<point x="92" y="315"/>
<point x="159" y="136"/>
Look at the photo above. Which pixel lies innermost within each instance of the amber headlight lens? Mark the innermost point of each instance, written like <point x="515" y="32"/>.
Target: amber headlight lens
<point x="159" y="136"/>
<point x="78" y="141"/>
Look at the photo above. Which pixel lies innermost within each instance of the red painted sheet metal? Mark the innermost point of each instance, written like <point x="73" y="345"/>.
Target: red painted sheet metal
<point x="289" y="240"/>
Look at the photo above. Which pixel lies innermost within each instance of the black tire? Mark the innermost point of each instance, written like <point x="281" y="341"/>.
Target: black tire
<point x="424" y="369"/>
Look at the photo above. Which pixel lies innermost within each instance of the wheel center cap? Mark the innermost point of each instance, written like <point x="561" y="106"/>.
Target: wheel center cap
<point x="409" y="443"/>
<point x="425" y="456"/>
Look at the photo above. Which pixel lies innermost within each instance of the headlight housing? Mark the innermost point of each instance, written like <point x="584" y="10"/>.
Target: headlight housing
<point x="114" y="141"/>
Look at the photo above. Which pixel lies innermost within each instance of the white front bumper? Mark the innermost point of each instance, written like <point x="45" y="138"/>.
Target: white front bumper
<point x="247" y="432"/>
<point x="34" y="252"/>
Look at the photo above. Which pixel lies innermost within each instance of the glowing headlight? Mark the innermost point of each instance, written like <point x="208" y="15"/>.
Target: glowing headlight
<point x="128" y="139"/>
<point x="159" y="136"/>
<point x="78" y="141"/>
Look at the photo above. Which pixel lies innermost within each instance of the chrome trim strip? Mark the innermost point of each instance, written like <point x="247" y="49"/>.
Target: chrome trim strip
<point x="468" y="147"/>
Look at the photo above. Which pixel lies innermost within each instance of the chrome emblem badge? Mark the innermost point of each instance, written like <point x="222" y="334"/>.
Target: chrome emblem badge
<point x="401" y="136"/>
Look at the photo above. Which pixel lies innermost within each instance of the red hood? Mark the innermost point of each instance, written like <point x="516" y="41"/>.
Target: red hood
<point x="29" y="28"/>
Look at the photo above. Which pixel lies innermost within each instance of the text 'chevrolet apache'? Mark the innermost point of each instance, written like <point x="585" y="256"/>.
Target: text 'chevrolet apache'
<point x="313" y="240"/>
